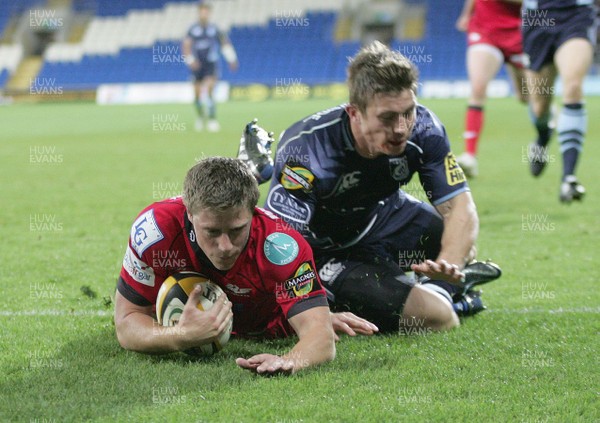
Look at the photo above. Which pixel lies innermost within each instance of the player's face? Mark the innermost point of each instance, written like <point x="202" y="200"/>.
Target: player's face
<point x="222" y="235"/>
<point x="386" y="124"/>
<point x="203" y="14"/>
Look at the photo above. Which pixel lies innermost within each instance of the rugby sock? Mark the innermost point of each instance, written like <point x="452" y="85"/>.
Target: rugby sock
<point x="473" y="125"/>
<point x="199" y="110"/>
<point x="572" y="124"/>
<point x="212" y="112"/>
<point x="542" y="127"/>
<point x="443" y="288"/>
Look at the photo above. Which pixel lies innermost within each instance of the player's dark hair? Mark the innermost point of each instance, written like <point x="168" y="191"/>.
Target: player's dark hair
<point x="376" y="69"/>
<point x="219" y="183"/>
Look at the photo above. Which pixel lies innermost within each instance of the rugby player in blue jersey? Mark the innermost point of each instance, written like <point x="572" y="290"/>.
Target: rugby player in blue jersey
<point x="337" y="179"/>
<point x="558" y="38"/>
<point x="202" y="47"/>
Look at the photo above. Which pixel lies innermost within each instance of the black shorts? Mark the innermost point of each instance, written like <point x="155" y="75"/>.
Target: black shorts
<point x="369" y="278"/>
<point x="206" y="69"/>
<point x="544" y="31"/>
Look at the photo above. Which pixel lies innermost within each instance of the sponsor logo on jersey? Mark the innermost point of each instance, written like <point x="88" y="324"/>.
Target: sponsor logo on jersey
<point x="288" y="206"/>
<point x="454" y="173"/>
<point x="330" y="271"/>
<point x="137" y="269"/>
<point x="302" y="281"/>
<point x="296" y="177"/>
<point x="145" y="232"/>
<point x="399" y="168"/>
<point x="236" y="290"/>
<point x="280" y="248"/>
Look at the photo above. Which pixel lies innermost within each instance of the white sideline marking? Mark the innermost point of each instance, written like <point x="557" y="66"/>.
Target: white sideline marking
<point x="98" y="313"/>
<point x="102" y="313"/>
<point x="591" y="310"/>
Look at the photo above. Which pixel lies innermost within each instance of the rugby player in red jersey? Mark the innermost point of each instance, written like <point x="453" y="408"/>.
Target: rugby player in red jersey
<point x="494" y="37"/>
<point x="264" y="266"/>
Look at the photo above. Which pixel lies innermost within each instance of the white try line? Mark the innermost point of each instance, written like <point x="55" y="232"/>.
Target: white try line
<point x="102" y="313"/>
<point x="588" y="310"/>
<point x="99" y="313"/>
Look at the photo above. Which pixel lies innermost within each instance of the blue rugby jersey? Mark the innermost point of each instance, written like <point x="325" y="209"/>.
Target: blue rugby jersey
<point x="206" y="42"/>
<point x="555" y="4"/>
<point x="327" y="191"/>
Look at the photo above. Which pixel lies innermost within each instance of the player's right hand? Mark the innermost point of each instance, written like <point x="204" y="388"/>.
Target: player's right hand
<point x="266" y="364"/>
<point x="198" y="327"/>
<point x="440" y="270"/>
<point x="351" y="325"/>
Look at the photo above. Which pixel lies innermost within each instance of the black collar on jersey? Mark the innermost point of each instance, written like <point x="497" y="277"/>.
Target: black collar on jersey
<point x="200" y="255"/>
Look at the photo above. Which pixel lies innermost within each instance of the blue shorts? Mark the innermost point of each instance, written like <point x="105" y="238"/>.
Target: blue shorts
<point x="544" y="31"/>
<point x="206" y="69"/>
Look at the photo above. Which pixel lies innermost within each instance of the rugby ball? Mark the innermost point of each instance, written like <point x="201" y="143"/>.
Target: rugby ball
<point x="173" y="295"/>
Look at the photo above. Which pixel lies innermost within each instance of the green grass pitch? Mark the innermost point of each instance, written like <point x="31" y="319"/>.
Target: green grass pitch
<point x="74" y="176"/>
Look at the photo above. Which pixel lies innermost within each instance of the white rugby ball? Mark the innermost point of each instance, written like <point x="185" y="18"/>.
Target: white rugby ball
<point x="173" y="295"/>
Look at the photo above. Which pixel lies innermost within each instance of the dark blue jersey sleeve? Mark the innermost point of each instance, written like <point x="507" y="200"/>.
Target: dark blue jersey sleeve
<point x="292" y="191"/>
<point x="441" y="176"/>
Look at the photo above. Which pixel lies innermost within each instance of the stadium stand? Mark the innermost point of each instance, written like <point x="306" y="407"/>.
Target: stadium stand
<point x="140" y="41"/>
<point x="136" y="45"/>
<point x="10" y="54"/>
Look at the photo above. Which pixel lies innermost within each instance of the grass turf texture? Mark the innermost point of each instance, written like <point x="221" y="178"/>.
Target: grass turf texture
<point x="74" y="176"/>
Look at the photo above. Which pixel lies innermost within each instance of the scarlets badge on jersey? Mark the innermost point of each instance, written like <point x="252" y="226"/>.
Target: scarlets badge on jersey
<point x="302" y="281"/>
<point x="294" y="176"/>
<point x="454" y="173"/>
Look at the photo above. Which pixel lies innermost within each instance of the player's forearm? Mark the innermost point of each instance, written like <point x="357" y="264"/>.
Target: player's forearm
<point x="316" y="347"/>
<point x="467" y="9"/>
<point x="141" y="333"/>
<point x="461" y="227"/>
<point x="186" y="48"/>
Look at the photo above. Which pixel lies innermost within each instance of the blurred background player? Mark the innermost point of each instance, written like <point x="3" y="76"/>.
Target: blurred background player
<point x="202" y="48"/>
<point x="559" y="38"/>
<point x="494" y="37"/>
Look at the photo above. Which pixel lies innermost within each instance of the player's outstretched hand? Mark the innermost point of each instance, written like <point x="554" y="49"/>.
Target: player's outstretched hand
<point x="200" y="327"/>
<point x="440" y="270"/>
<point x="351" y="324"/>
<point x="266" y="364"/>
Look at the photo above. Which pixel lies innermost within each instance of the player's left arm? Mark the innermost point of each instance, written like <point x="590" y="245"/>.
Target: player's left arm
<point x="461" y="226"/>
<point x="446" y="187"/>
<point x="315" y="345"/>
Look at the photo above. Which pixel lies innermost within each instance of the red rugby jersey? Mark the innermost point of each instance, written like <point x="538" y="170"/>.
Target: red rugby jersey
<point x="272" y="280"/>
<point x="490" y="15"/>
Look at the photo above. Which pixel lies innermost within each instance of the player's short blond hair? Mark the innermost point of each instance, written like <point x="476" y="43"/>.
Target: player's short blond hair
<point x="219" y="183"/>
<point x="378" y="70"/>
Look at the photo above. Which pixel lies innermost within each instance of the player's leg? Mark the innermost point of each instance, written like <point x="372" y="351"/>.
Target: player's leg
<point x="429" y="309"/>
<point x="573" y="60"/>
<point x="408" y="231"/>
<point x="540" y="86"/>
<point x="210" y="82"/>
<point x="519" y="81"/>
<point x="199" y="124"/>
<point x="539" y="46"/>
<point x="377" y="290"/>
<point x="483" y="63"/>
